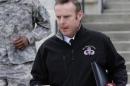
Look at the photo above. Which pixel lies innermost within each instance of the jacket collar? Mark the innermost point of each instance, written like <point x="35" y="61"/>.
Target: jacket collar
<point x="59" y="35"/>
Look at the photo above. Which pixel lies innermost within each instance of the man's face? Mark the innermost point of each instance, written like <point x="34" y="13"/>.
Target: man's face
<point x="68" y="19"/>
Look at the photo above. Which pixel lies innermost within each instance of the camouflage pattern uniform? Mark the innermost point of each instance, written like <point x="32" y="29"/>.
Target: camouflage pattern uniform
<point x="20" y="18"/>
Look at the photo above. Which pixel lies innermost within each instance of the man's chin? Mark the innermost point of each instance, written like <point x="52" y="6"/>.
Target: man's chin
<point x="68" y="35"/>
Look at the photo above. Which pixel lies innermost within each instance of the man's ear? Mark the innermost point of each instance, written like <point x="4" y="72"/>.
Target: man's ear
<point x="80" y="14"/>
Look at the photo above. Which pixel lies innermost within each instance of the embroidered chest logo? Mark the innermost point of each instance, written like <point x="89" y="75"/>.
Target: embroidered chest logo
<point x="89" y="50"/>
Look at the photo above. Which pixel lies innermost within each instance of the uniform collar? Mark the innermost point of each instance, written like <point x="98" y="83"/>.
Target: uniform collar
<point x="9" y="1"/>
<point x="3" y="1"/>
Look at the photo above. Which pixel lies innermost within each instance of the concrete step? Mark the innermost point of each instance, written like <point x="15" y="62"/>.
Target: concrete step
<point x="107" y="18"/>
<point x="127" y="11"/>
<point x="108" y="26"/>
<point x="119" y="5"/>
<point x="128" y="84"/>
<point x="128" y="80"/>
<point x="125" y="54"/>
<point x="117" y="1"/>
<point x="128" y="72"/>
<point x="118" y="35"/>
<point x="122" y="45"/>
<point x="128" y="66"/>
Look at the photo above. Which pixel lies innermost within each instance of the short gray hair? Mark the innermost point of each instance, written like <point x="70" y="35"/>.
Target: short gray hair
<point x="75" y="2"/>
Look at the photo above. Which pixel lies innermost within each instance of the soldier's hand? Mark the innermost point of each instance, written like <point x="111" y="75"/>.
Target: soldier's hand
<point x="110" y="84"/>
<point x="21" y="42"/>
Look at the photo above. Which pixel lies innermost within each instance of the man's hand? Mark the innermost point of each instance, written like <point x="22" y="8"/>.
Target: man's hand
<point x="110" y="84"/>
<point x="21" y="42"/>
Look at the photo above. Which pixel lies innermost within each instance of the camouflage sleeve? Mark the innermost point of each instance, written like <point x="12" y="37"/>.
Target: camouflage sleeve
<point x="41" y="23"/>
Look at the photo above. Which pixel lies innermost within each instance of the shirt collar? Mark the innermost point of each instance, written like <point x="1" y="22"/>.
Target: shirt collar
<point x="67" y="39"/>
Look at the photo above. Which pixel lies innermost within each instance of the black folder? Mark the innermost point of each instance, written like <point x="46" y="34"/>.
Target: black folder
<point x="99" y="74"/>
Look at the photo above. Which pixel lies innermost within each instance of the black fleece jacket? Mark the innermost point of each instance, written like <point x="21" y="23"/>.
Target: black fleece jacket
<point x="59" y="64"/>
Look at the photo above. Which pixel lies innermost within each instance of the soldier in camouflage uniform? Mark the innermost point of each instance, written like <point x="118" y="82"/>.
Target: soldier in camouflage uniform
<point x="22" y="22"/>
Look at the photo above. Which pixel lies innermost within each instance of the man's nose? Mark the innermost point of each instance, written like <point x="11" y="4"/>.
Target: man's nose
<point x="62" y="20"/>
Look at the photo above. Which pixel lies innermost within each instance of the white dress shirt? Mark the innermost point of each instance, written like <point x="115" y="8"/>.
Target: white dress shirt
<point x="67" y="39"/>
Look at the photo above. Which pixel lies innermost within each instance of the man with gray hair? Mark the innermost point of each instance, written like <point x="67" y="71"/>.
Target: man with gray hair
<point x="22" y="22"/>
